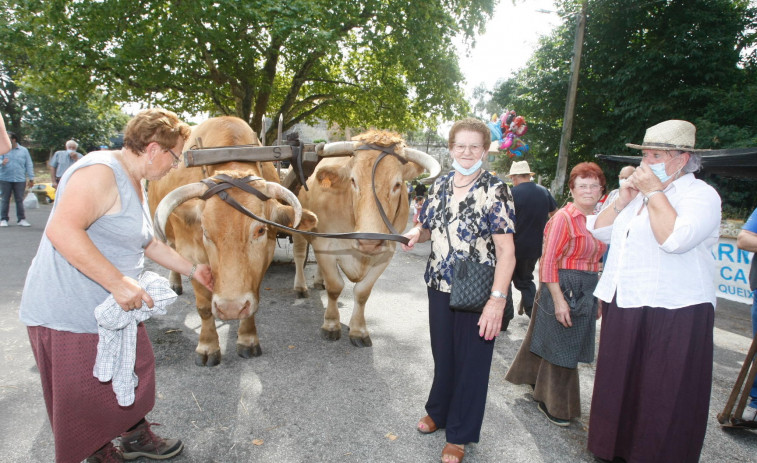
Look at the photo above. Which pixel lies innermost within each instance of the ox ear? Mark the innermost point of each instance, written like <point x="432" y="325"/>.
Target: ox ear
<point x="332" y="176"/>
<point x="411" y="170"/>
<point x="284" y="215"/>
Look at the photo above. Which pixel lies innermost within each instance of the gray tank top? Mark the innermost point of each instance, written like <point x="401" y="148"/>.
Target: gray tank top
<point x="57" y="295"/>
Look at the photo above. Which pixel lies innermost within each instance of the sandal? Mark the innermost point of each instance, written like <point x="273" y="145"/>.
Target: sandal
<point x="454" y="451"/>
<point x="429" y="423"/>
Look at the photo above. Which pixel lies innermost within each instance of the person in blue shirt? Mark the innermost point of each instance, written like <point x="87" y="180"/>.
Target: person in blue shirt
<point x="15" y="168"/>
<point x="747" y="240"/>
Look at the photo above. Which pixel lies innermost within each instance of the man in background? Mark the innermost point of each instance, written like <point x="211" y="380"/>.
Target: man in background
<point x="62" y="160"/>
<point x="15" y="168"/>
<point x="534" y="205"/>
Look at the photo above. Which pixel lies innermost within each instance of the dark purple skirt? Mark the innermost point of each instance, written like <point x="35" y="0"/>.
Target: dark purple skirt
<point x="652" y="385"/>
<point x="84" y="413"/>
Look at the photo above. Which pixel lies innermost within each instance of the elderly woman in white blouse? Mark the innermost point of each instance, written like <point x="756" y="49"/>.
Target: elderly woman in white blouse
<point x="654" y="367"/>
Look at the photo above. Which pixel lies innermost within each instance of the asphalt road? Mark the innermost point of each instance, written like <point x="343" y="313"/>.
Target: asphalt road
<point x="307" y="399"/>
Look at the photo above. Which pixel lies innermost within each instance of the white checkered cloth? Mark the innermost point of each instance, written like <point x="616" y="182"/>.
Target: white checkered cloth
<point x="117" y="348"/>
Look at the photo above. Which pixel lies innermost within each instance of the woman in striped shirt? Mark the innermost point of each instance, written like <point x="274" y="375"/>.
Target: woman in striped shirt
<point x="562" y="328"/>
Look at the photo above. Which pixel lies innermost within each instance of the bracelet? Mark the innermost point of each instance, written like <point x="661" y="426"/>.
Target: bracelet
<point x="617" y="211"/>
<point x="192" y="272"/>
<point x="651" y="193"/>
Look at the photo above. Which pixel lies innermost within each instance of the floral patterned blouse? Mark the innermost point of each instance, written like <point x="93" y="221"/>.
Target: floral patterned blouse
<point x="486" y="210"/>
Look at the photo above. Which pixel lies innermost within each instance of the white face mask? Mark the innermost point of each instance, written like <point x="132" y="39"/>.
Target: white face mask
<point x="463" y="171"/>
<point x="622" y="181"/>
<point x="71" y="151"/>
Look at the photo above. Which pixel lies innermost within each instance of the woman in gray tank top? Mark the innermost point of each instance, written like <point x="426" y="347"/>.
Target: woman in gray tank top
<point x="94" y="244"/>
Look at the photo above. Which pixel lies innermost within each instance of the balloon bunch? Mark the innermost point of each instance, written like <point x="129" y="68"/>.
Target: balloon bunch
<point x="508" y="130"/>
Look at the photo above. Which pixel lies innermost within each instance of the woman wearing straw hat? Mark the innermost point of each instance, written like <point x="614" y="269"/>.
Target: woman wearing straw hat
<point x="654" y="368"/>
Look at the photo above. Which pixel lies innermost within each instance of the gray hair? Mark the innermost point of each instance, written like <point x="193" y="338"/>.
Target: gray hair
<point x="694" y="163"/>
<point x="72" y="143"/>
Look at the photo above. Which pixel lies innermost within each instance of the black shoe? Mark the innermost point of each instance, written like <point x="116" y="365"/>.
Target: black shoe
<point x="142" y="442"/>
<point x="559" y="422"/>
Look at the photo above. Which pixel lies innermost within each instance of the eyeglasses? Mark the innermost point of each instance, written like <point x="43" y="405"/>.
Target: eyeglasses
<point x="588" y="187"/>
<point x="475" y="148"/>
<point x="176" y="159"/>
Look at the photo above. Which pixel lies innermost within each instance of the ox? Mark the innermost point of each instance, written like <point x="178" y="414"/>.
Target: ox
<point x="238" y="248"/>
<point x="341" y="193"/>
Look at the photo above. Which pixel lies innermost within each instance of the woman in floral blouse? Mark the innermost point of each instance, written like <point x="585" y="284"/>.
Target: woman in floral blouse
<point x="480" y="215"/>
<point x="563" y="320"/>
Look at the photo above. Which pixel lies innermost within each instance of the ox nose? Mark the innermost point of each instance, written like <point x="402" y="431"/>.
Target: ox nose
<point x="370" y="246"/>
<point x="231" y="310"/>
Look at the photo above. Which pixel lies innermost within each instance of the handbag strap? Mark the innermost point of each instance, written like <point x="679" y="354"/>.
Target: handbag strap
<point x="446" y="222"/>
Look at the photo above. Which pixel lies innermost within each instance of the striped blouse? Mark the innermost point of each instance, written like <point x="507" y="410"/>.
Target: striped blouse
<point x="569" y="245"/>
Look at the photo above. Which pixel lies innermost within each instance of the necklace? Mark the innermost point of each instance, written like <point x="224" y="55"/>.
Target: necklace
<point x="463" y="186"/>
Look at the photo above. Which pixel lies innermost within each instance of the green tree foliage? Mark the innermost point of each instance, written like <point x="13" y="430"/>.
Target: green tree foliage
<point x="387" y="63"/>
<point x="53" y="121"/>
<point x="36" y="108"/>
<point x="643" y="62"/>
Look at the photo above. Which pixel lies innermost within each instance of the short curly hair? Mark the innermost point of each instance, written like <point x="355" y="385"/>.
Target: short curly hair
<point x="154" y="125"/>
<point x="474" y="125"/>
<point x="586" y="170"/>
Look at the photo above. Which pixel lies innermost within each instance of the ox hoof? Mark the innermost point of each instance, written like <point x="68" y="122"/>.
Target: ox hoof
<point x="331" y="335"/>
<point x="249" y="351"/>
<point x="361" y="342"/>
<point x="177" y="289"/>
<point x="318" y="286"/>
<point x="302" y="294"/>
<point x="205" y="360"/>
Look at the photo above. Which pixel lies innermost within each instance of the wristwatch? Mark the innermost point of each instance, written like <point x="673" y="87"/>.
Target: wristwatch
<point x="499" y="294"/>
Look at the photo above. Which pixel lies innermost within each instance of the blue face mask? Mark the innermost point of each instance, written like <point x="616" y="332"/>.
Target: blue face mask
<point x="463" y="171"/>
<point x="659" y="171"/>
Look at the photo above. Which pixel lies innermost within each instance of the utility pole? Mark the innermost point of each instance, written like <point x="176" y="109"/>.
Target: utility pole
<point x="570" y="104"/>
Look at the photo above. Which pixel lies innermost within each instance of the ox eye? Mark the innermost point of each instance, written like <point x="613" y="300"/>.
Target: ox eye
<point x="259" y="231"/>
<point x="397" y="186"/>
<point x="354" y="184"/>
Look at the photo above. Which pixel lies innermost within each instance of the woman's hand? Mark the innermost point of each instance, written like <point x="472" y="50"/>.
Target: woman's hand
<point x="414" y="235"/>
<point x="644" y="180"/>
<point x="626" y="193"/>
<point x="490" y="322"/>
<point x="562" y="312"/>
<point x="129" y="295"/>
<point x="204" y="276"/>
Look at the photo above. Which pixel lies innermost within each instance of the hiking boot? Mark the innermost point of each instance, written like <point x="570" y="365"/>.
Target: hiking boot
<point x="142" y="442"/>
<point x="107" y="454"/>
<point x="553" y="419"/>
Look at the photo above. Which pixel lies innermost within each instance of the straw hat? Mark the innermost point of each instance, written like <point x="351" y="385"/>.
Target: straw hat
<point x="520" y="168"/>
<point x="669" y="135"/>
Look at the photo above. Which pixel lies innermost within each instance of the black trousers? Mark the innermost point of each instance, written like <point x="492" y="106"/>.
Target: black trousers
<point x="523" y="280"/>
<point x="462" y="361"/>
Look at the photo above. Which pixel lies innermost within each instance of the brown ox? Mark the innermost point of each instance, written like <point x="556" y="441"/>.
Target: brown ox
<point x="238" y="248"/>
<point x="341" y="194"/>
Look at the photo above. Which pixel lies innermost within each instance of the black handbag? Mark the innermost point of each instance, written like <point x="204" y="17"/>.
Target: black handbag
<point x="471" y="281"/>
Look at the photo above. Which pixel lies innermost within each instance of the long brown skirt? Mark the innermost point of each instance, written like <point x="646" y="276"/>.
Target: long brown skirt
<point x="84" y="413"/>
<point x="652" y="387"/>
<point x="556" y="386"/>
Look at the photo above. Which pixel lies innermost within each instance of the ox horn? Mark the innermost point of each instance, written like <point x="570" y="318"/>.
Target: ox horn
<point x="338" y="148"/>
<point x="279" y="192"/>
<point x="426" y="161"/>
<point x="173" y="200"/>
